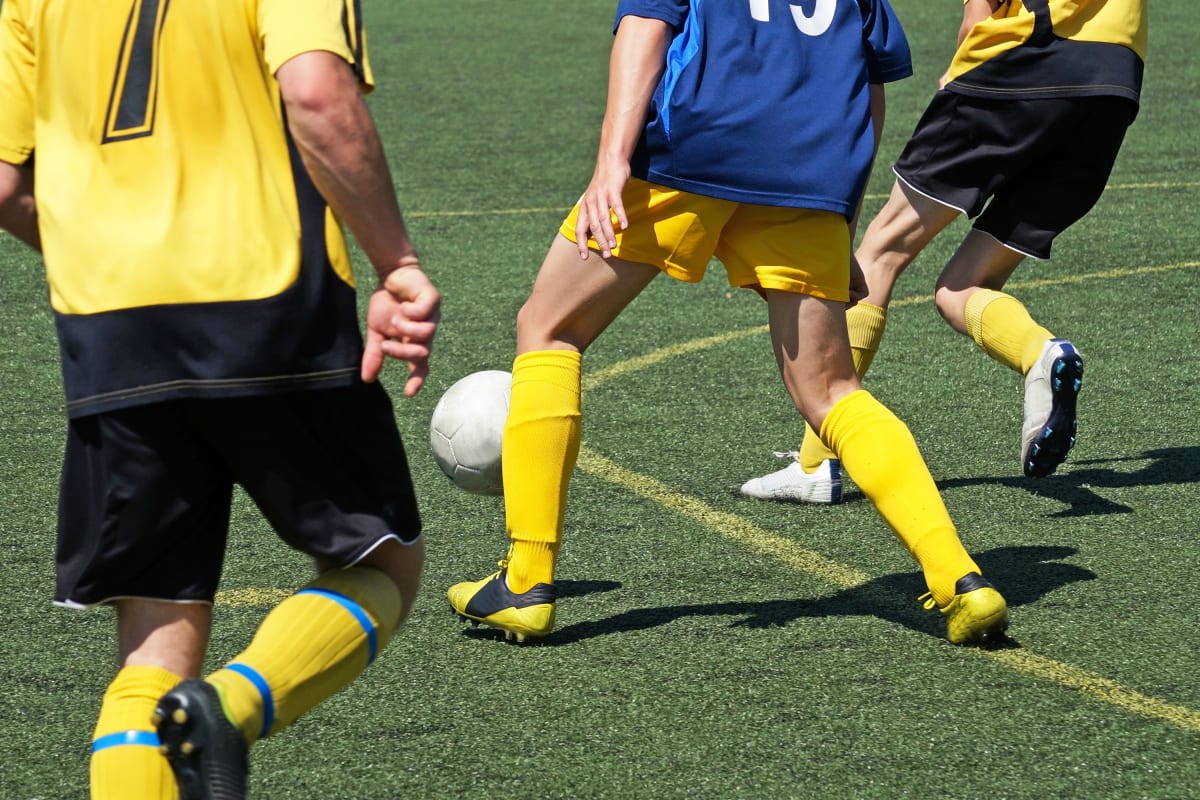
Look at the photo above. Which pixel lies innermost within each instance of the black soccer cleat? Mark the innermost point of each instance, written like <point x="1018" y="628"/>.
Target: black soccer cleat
<point x="205" y="750"/>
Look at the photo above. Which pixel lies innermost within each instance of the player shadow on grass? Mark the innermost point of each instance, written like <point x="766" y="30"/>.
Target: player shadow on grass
<point x="1076" y="484"/>
<point x="1023" y="574"/>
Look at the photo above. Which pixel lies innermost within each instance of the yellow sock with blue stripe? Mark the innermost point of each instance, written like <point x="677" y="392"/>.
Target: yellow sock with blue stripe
<point x="541" y="446"/>
<point x="866" y="323"/>
<point x="880" y="454"/>
<point x="308" y="648"/>
<point x="126" y="763"/>
<point x="1003" y="328"/>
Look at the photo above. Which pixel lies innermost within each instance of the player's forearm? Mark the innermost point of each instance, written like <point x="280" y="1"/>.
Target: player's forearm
<point x="635" y="65"/>
<point x="18" y="209"/>
<point x="339" y="143"/>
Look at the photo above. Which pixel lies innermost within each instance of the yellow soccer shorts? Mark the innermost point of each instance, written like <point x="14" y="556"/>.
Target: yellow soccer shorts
<point x="773" y="247"/>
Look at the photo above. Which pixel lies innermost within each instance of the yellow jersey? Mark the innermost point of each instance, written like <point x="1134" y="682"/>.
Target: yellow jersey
<point x="186" y="249"/>
<point x="1054" y="48"/>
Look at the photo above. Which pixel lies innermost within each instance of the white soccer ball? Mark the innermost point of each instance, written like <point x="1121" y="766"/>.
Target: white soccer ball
<point x="466" y="427"/>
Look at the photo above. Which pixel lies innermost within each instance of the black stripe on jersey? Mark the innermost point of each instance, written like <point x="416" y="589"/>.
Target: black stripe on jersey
<point x="1056" y="68"/>
<point x="304" y="337"/>
<point x="354" y="38"/>
<point x="1043" y="25"/>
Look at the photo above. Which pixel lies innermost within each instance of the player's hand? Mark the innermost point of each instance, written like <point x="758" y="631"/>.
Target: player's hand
<point x="402" y="318"/>
<point x="599" y="204"/>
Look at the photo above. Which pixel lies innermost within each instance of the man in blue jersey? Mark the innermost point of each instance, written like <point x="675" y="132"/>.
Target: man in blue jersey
<point x="1022" y="136"/>
<point x="744" y="130"/>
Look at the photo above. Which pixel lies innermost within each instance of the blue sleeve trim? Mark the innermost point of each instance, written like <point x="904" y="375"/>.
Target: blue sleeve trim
<point x="264" y="690"/>
<point x="358" y="613"/>
<point x="124" y="738"/>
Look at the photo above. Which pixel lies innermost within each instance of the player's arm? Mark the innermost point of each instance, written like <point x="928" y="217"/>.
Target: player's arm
<point x="341" y="149"/>
<point x="18" y="210"/>
<point x="636" y="63"/>
<point x="976" y="11"/>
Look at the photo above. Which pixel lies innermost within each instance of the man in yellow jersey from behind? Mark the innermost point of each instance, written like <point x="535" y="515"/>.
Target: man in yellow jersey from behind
<point x="185" y="169"/>
<point x="744" y="132"/>
<point x="1022" y="136"/>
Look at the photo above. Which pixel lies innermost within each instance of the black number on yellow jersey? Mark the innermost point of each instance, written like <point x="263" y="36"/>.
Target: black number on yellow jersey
<point x="135" y="81"/>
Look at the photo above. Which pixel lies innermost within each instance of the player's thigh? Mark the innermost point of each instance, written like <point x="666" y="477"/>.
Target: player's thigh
<point x="574" y="300"/>
<point x="143" y="509"/>
<point x="327" y="468"/>
<point x="1063" y="183"/>
<point x="795" y="250"/>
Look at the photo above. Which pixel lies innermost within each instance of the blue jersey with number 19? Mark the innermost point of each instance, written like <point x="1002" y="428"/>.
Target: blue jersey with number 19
<point x="767" y="101"/>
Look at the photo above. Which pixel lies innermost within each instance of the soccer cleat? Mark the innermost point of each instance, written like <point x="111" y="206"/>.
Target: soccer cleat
<point x="205" y="750"/>
<point x="529" y="615"/>
<point x="792" y="484"/>
<point x="976" y="615"/>
<point x="1051" y="389"/>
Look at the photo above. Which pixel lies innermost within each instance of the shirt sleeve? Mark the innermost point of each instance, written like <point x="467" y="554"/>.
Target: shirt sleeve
<point x="672" y="12"/>
<point x="888" y="56"/>
<point x="16" y="85"/>
<point x="291" y="27"/>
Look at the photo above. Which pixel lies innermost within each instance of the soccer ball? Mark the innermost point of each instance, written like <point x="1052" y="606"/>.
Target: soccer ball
<point x="466" y="427"/>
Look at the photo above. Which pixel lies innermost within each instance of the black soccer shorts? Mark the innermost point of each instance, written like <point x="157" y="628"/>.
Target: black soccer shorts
<point x="146" y="492"/>
<point x="1028" y="169"/>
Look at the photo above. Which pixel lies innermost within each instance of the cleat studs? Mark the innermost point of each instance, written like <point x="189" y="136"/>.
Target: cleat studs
<point x="179" y="716"/>
<point x="187" y="748"/>
<point x="156" y="718"/>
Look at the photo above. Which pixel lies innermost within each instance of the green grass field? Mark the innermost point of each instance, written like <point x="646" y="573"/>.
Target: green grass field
<point x="709" y="645"/>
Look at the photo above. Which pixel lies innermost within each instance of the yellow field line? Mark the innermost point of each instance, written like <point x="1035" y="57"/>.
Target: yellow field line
<point x="839" y="575"/>
<point x="843" y="577"/>
<point x="607" y="374"/>
<point x="505" y="212"/>
<point x="726" y="524"/>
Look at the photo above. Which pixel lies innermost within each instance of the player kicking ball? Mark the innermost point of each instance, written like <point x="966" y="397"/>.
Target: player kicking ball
<point x="1022" y="137"/>
<point x="744" y="131"/>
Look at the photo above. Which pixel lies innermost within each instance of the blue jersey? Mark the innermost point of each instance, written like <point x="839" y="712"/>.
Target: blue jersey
<point x="767" y="101"/>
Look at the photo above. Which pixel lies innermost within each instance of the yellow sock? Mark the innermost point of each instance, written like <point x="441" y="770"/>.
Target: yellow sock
<point x="880" y="454"/>
<point x="541" y="445"/>
<point x="126" y="763"/>
<point x="1003" y="328"/>
<point x="308" y="648"/>
<point x="866" y="323"/>
<point x="531" y="563"/>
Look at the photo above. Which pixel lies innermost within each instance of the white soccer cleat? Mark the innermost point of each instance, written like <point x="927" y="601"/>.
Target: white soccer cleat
<point x="1051" y="389"/>
<point x="793" y="485"/>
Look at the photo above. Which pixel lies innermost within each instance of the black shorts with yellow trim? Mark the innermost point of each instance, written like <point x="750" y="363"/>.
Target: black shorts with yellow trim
<point x="771" y="247"/>
<point x="146" y="492"/>
<point x="1027" y="168"/>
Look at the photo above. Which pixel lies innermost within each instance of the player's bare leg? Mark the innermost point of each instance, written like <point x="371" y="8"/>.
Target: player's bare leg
<point x="571" y="304"/>
<point x="970" y="299"/>
<point x="813" y="353"/>
<point x="158" y="643"/>
<point x="895" y="236"/>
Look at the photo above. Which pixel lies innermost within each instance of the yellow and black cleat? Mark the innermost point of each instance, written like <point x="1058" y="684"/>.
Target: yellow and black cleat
<point x="528" y="615"/>
<point x="977" y="614"/>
